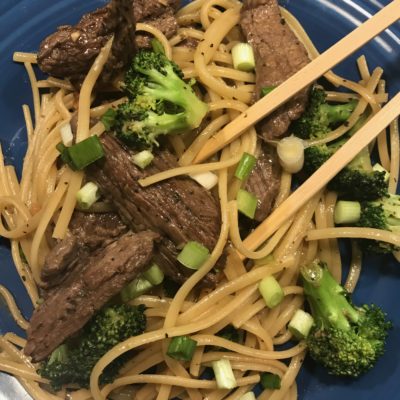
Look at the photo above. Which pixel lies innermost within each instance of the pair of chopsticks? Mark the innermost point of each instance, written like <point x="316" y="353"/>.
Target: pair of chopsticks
<point x="334" y="55"/>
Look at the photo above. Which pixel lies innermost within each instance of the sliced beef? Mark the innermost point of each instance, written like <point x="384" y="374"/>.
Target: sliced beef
<point x="145" y="9"/>
<point x="278" y="54"/>
<point x="71" y="50"/>
<point x="87" y="233"/>
<point x="166" y="23"/>
<point x="179" y="209"/>
<point x="68" y="309"/>
<point x="264" y="181"/>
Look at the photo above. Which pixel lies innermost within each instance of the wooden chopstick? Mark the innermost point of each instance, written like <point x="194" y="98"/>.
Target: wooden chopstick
<point x="324" y="174"/>
<point x="312" y="71"/>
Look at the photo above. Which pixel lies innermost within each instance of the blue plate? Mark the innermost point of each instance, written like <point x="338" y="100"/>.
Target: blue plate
<point x="23" y="24"/>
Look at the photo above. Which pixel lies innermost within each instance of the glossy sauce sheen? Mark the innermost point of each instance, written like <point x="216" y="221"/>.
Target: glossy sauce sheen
<point x="25" y="23"/>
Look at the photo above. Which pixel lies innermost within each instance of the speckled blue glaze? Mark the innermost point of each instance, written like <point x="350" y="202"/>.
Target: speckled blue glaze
<point x="22" y="26"/>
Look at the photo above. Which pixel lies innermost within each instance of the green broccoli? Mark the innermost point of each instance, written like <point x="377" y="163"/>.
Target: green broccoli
<point x="345" y="339"/>
<point x="73" y="361"/>
<point x="139" y="127"/>
<point x="159" y="101"/>
<point x="383" y="213"/>
<point x="320" y="117"/>
<point x="355" y="181"/>
<point x="358" y="180"/>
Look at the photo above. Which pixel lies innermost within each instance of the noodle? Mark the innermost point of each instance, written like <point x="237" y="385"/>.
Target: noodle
<point x="363" y="233"/>
<point x="43" y="201"/>
<point x="12" y="306"/>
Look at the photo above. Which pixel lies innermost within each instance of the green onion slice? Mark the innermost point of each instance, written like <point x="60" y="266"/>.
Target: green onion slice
<point x="224" y="374"/>
<point x="347" y="212"/>
<point x="182" y="348"/>
<point x="245" y="166"/>
<point x="87" y="195"/>
<point x="81" y="154"/>
<point x="246" y="203"/>
<point x="193" y="255"/>
<point x="243" y="57"/>
<point x="143" y="158"/>
<point x="135" y="289"/>
<point x="271" y="291"/>
<point x="301" y="324"/>
<point x="270" y="381"/>
<point x="154" y="274"/>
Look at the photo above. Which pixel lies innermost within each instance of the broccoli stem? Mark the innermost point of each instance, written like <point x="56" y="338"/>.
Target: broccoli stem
<point x="327" y="298"/>
<point x="346" y="339"/>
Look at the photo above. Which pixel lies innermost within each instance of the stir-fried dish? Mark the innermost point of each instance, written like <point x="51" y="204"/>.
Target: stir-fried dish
<point x="135" y="257"/>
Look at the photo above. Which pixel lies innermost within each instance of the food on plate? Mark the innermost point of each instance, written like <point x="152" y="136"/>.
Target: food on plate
<point x="133" y="255"/>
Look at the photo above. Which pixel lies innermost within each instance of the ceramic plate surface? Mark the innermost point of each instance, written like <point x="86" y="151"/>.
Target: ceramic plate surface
<point x="23" y="24"/>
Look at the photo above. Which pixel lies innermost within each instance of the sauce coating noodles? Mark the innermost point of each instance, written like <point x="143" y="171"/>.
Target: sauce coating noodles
<point x="45" y="196"/>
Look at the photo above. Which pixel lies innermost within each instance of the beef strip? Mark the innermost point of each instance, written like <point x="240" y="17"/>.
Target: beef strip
<point x="87" y="233"/>
<point x="179" y="209"/>
<point x="71" y="50"/>
<point x="166" y="23"/>
<point x="264" y="181"/>
<point x="145" y="9"/>
<point x="68" y="309"/>
<point x="278" y="54"/>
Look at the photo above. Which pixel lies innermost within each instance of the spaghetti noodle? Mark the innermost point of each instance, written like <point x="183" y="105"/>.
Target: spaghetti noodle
<point x="45" y="197"/>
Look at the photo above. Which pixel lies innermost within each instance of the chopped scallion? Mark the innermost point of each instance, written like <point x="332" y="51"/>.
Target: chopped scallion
<point x="347" y="212"/>
<point x="87" y="195"/>
<point x="206" y="179"/>
<point x="224" y="374"/>
<point x="266" y="90"/>
<point x="270" y="381"/>
<point x="243" y="57"/>
<point x="134" y="289"/>
<point x="182" y="348"/>
<point x="246" y="164"/>
<point x="246" y="203"/>
<point x="64" y="155"/>
<point x="108" y="118"/>
<point x="66" y="134"/>
<point x="84" y="153"/>
<point x="271" y="291"/>
<point x="143" y="158"/>
<point x="154" y="274"/>
<point x="193" y="255"/>
<point x="291" y="154"/>
<point x="301" y="324"/>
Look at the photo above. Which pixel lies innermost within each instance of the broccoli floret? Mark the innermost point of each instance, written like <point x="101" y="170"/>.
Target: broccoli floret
<point x="346" y="339"/>
<point x="320" y="117"/>
<point x="383" y="213"/>
<point x="354" y="181"/>
<point x="357" y="180"/>
<point x="139" y="127"/>
<point x="160" y="102"/>
<point x="73" y="361"/>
